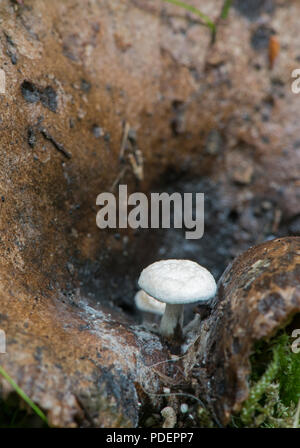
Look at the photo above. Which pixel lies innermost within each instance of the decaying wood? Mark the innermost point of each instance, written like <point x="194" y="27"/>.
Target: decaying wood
<point x="257" y="295"/>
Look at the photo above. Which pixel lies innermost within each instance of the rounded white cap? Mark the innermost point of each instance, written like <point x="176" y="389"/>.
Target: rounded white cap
<point x="144" y="302"/>
<point x="177" y="282"/>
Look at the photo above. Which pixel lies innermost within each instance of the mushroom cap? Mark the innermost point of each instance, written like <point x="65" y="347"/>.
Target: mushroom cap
<point x="144" y="302"/>
<point x="177" y="282"/>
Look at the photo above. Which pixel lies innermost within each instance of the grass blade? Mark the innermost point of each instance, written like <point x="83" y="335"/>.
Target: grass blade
<point x="24" y="396"/>
<point x="196" y="11"/>
<point x="225" y="9"/>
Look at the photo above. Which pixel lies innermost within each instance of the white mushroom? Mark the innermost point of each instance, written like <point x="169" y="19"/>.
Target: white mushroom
<point x="176" y="282"/>
<point x="148" y="304"/>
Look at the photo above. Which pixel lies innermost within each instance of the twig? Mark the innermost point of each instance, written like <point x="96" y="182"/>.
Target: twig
<point x="124" y="139"/>
<point x="119" y="177"/>
<point x="134" y="154"/>
<point x="55" y="143"/>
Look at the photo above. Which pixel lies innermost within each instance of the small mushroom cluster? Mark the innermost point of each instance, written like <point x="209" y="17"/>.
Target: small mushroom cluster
<point x="168" y="285"/>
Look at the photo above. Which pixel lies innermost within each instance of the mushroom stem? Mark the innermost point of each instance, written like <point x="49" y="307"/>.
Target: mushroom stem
<point x="172" y="319"/>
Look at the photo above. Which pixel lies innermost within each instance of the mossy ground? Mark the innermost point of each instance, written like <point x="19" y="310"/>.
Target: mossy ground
<point x="274" y="386"/>
<point x="274" y="397"/>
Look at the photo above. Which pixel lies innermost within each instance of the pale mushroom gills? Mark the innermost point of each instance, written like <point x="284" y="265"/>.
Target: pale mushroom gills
<point x="175" y="283"/>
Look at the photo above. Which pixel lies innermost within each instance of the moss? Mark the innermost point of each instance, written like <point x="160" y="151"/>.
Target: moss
<point x="204" y="419"/>
<point x="274" y="386"/>
<point x="289" y="373"/>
